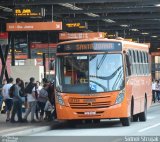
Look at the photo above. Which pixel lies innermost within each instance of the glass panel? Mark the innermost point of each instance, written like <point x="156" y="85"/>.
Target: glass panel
<point x="106" y="72"/>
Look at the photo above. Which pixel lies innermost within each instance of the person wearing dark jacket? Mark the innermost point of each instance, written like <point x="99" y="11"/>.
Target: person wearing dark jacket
<point x="17" y="102"/>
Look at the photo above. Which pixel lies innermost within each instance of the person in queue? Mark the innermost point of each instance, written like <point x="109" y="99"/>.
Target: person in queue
<point x="8" y="100"/>
<point x="31" y="98"/>
<point x="42" y="99"/>
<point x="17" y="102"/>
<point x="1" y="95"/>
<point x="38" y="87"/>
<point x="158" y="90"/>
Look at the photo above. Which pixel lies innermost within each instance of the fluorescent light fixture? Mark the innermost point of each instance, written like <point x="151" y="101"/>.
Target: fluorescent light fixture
<point x="157" y="5"/>
<point x="134" y="30"/>
<point x="92" y="14"/>
<point x="124" y="25"/>
<point x="154" y="36"/>
<point x="145" y="33"/>
<point x="70" y="6"/>
<point x="6" y="9"/>
<point x="3" y="17"/>
<point x="108" y="21"/>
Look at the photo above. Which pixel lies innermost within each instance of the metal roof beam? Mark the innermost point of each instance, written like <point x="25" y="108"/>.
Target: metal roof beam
<point x="110" y="10"/>
<point x="46" y="2"/>
<point x="117" y="17"/>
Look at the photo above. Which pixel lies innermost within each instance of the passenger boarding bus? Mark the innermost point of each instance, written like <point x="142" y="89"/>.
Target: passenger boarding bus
<point x="103" y="79"/>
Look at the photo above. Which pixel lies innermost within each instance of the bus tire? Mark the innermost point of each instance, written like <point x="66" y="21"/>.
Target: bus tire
<point x="143" y="115"/>
<point x="88" y="121"/>
<point x="125" y="121"/>
<point x="72" y="123"/>
<point x="135" y="118"/>
<point x="96" y="121"/>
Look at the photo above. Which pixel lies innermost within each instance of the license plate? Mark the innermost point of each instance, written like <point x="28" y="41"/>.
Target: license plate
<point x="90" y="113"/>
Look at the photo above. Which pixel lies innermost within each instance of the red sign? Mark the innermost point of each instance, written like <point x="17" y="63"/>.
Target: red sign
<point x="34" y="26"/>
<point x="43" y="45"/>
<point x="4" y="38"/>
<point x="4" y="35"/>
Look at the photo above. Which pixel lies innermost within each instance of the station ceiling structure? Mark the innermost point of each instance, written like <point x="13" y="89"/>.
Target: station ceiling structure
<point x="132" y="19"/>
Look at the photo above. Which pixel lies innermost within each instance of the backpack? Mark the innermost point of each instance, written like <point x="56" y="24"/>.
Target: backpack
<point x="11" y="91"/>
<point x="29" y="88"/>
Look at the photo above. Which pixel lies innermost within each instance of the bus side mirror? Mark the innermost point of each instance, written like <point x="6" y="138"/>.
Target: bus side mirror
<point x="58" y="89"/>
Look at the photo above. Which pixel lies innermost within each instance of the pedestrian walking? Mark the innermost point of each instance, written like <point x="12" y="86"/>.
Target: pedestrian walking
<point x="158" y="90"/>
<point x="154" y="91"/>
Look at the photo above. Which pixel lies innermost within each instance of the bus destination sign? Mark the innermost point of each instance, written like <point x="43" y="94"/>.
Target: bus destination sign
<point x="90" y="46"/>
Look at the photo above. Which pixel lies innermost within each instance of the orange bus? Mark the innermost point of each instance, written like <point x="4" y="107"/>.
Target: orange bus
<point x="103" y="79"/>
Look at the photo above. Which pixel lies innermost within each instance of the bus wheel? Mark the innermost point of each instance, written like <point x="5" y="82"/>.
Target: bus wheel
<point x="125" y="121"/>
<point x="135" y="118"/>
<point x="96" y="121"/>
<point x="143" y="115"/>
<point x="71" y="123"/>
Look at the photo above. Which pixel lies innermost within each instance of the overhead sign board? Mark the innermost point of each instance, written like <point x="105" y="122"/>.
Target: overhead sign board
<point x="71" y="36"/>
<point x="34" y="26"/>
<point x="75" y="25"/>
<point x="29" y="12"/>
<point x="43" y="45"/>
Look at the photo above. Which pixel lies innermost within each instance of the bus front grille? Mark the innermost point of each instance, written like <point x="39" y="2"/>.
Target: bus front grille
<point x="90" y="105"/>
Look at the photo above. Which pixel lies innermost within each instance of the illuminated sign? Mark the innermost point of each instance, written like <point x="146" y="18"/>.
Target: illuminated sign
<point x="71" y="36"/>
<point x="75" y="26"/>
<point x="27" y="12"/>
<point x="90" y="46"/>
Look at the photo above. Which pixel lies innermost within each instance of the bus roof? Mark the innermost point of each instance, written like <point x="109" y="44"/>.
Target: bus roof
<point x="106" y="39"/>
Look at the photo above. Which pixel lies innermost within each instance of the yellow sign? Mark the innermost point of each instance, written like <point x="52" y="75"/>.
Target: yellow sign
<point x="26" y="12"/>
<point x="76" y="25"/>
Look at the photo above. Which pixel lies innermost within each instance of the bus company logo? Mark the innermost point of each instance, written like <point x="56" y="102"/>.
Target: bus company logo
<point x="89" y="101"/>
<point x="74" y="100"/>
<point x="68" y="47"/>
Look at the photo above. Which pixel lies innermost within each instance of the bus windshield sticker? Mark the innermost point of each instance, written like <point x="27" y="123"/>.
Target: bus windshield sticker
<point x="81" y="57"/>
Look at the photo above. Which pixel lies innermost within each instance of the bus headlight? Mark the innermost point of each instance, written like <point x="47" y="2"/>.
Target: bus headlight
<point x="120" y="98"/>
<point x="60" y="99"/>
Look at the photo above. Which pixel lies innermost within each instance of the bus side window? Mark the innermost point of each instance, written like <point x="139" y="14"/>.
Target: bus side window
<point x="138" y="61"/>
<point x="142" y="61"/>
<point x="147" y="63"/>
<point x="128" y="65"/>
<point x="134" y="62"/>
<point x="131" y="61"/>
<point x="144" y="66"/>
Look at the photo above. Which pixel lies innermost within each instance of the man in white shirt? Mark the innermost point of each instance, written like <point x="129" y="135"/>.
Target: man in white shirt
<point x="8" y="100"/>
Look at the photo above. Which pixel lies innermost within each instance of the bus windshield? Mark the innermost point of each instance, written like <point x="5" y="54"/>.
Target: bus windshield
<point x="89" y="73"/>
